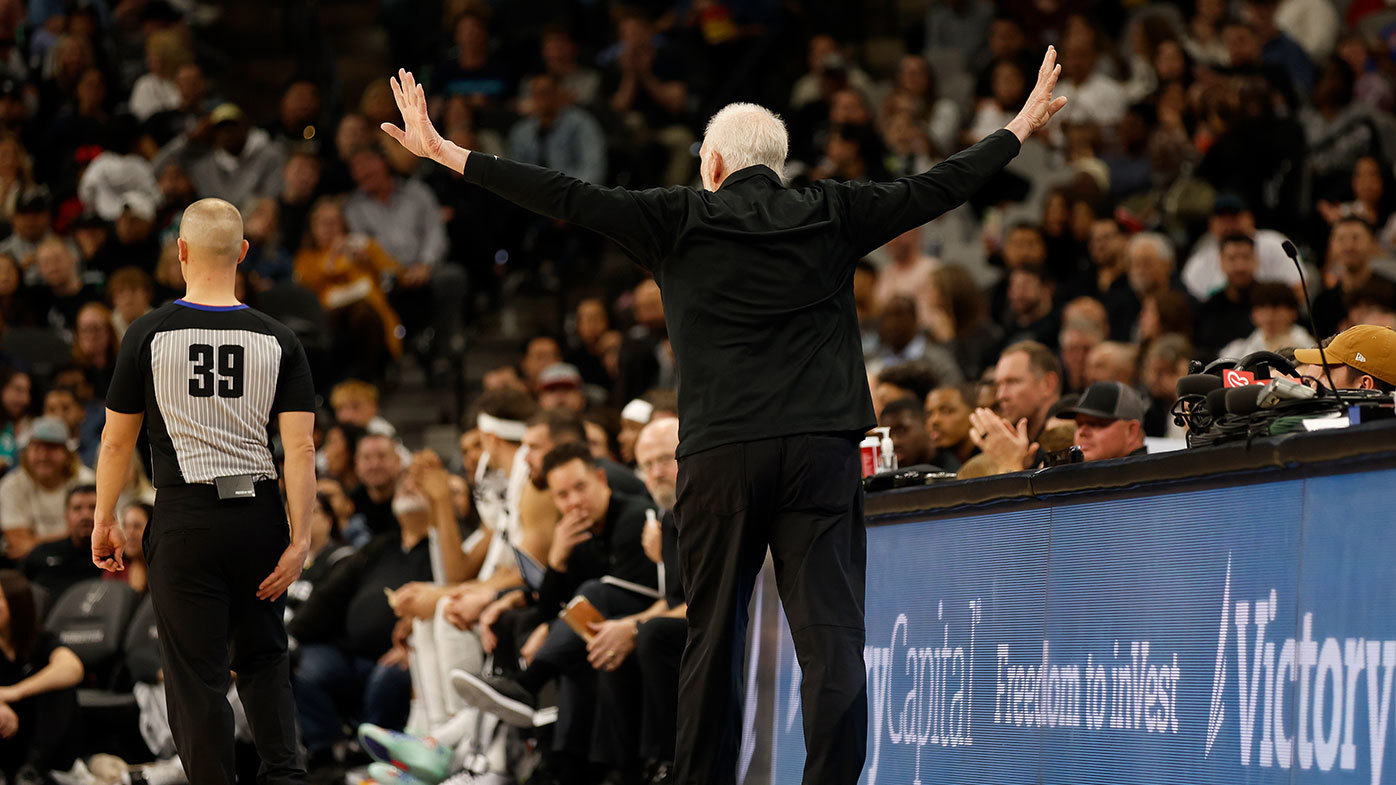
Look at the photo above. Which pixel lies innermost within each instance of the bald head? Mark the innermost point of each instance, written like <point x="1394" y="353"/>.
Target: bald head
<point x="211" y="233"/>
<point x="742" y="135"/>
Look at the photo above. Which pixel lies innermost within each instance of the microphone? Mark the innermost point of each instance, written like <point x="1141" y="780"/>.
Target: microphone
<point x="1197" y="384"/>
<point x="1281" y="390"/>
<point x="1293" y="254"/>
<point x="1243" y="400"/>
<point x="1216" y="402"/>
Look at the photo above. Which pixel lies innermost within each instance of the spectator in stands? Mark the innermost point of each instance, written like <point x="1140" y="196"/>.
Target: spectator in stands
<point x="1109" y="422"/>
<point x="558" y="135"/>
<point x="134" y="518"/>
<point x="298" y="114"/>
<point x="643" y="85"/>
<point x="335" y="458"/>
<point x="472" y="70"/>
<point x="232" y="160"/>
<point x="1373" y="303"/>
<point x="826" y="65"/>
<point x="16" y="174"/>
<point x="1112" y="361"/>
<point x="119" y="170"/>
<point x="908" y="271"/>
<point x="38" y="681"/>
<point x="379" y="470"/>
<point x="905" y="420"/>
<point x="33" y="496"/>
<point x="1030" y="315"/>
<point x="133" y="242"/>
<point x="593" y="321"/>
<point x="580" y="85"/>
<point x="1165" y="362"/>
<point x="1203" y="274"/>
<point x="1225" y="316"/>
<point x="94" y="345"/>
<point x="1359" y="358"/>
<point x="916" y="91"/>
<point x="1277" y="48"/>
<point x="1027" y="381"/>
<point x="505" y="377"/>
<point x="30" y="224"/>
<point x="1093" y="96"/>
<point x="960" y="320"/>
<point x="540" y="352"/>
<point x="560" y="385"/>
<point x="1351" y="249"/>
<point x="15" y="305"/>
<point x="345" y="628"/>
<point x="633" y="417"/>
<point x="1107" y="253"/>
<point x="1149" y="257"/>
<point x="57" y="565"/>
<point x="901" y="341"/>
<point x="865" y="301"/>
<point x="405" y="218"/>
<point x="345" y="272"/>
<point x="155" y="91"/>
<point x="65" y="403"/>
<point x="909" y="380"/>
<point x="1078" y="337"/>
<point x="355" y="402"/>
<point x="1008" y="84"/>
<point x="947" y="423"/>
<point x="1275" y="313"/>
<point x="16" y="391"/>
<point x="132" y="295"/>
<point x="646" y="361"/>
<point x="267" y="262"/>
<point x="327" y="548"/>
<point x="300" y="185"/>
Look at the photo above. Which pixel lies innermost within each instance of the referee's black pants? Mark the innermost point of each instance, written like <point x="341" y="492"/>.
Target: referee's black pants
<point x="206" y="559"/>
<point x="802" y="497"/>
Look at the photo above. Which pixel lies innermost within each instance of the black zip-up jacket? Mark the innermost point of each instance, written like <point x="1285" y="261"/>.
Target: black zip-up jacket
<point x="757" y="280"/>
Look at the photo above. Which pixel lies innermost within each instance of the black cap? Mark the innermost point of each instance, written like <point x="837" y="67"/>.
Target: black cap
<point x="1228" y="204"/>
<point x="1064" y="404"/>
<point x="1108" y="401"/>
<point x="34" y="200"/>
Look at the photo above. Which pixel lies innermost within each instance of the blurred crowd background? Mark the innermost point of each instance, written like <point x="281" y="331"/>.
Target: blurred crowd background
<point x="1142" y="230"/>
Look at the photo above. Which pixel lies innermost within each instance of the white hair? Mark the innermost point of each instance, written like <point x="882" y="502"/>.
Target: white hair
<point x="748" y="135"/>
<point x="1154" y="240"/>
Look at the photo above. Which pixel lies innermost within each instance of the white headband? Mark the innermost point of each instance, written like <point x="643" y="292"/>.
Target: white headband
<point x="637" y="411"/>
<point x="508" y="430"/>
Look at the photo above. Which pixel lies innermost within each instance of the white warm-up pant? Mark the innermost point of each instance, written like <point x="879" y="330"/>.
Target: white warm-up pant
<point x="437" y="648"/>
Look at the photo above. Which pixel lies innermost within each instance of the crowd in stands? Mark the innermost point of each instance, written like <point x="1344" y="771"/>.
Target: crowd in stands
<point x="1142" y="231"/>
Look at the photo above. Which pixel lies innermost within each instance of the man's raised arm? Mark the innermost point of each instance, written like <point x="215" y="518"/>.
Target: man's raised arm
<point x="640" y="222"/>
<point x="877" y="212"/>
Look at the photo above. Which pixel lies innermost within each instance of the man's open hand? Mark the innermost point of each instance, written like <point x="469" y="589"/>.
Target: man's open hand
<point x="417" y="134"/>
<point x="1040" y="106"/>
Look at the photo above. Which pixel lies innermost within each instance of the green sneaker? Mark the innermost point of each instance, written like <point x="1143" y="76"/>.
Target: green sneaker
<point x="388" y="774"/>
<point x="424" y="759"/>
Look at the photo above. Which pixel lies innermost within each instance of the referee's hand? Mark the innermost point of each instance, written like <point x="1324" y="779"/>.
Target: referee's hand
<point x="288" y="569"/>
<point x="108" y="544"/>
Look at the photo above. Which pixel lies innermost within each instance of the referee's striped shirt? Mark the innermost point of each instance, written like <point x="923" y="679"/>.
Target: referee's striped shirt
<point x="209" y="379"/>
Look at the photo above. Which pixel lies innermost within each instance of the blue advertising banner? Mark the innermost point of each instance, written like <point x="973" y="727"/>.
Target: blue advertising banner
<point x="1233" y="635"/>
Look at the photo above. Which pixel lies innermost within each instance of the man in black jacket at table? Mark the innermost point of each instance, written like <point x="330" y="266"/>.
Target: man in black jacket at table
<point x="757" y="280"/>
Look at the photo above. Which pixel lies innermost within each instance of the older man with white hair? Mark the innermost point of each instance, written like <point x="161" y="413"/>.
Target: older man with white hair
<point x="757" y="280"/>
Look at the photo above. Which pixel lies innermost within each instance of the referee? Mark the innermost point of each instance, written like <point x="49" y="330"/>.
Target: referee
<point x="758" y="297"/>
<point x="206" y="374"/>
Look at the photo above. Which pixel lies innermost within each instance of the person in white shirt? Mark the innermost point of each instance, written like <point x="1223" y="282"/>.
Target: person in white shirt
<point x="33" y="495"/>
<point x="155" y="91"/>
<point x="1202" y="275"/>
<point x="1274" y="312"/>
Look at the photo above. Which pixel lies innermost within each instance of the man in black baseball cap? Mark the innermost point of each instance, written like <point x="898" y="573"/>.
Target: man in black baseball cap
<point x="1109" y="421"/>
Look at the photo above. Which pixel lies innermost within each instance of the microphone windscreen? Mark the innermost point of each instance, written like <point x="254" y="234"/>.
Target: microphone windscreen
<point x="1243" y="400"/>
<point x="1216" y="401"/>
<point x="1289" y="249"/>
<point x="1197" y="384"/>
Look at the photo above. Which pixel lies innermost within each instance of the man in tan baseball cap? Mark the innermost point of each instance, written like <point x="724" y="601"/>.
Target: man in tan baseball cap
<point x="1360" y="358"/>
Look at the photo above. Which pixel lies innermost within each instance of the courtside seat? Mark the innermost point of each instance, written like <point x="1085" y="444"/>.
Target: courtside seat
<point x="142" y="645"/>
<point x="90" y="618"/>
